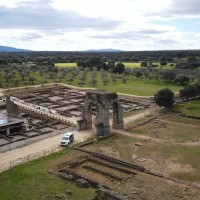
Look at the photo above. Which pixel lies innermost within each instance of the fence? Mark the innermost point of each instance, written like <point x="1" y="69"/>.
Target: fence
<point x="31" y="140"/>
<point x="26" y="141"/>
<point x="26" y="159"/>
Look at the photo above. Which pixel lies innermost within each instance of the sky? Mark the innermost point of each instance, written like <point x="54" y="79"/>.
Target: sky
<point x="76" y="25"/>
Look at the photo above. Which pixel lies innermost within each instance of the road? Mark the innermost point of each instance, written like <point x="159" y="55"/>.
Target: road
<point x="38" y="149"/>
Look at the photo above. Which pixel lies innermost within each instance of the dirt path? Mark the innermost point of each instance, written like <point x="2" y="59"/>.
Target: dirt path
<point x="135" y="135"/>
<point x="139" y="115"/>
<point x="38" y="149"/>
<point x="191" y="125"/>
<point x="158" y="140"/>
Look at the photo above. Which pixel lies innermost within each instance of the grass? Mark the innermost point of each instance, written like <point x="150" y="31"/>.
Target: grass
<point x="184" y="120"/>
<point x="21" y="82"/>
<point x="186" y="155"/>
<point x="32" y="181"/>
<point x="142" y="87"/>
<point x="138" y="65"/>
<point x="132" y="64"/>
<point x="134" y="86"/>
<point x="66" y="64"/>
<point x="190" y="108"/>
<point x="173" y="129"/>
<point x="118" y="143"/>
<point x="127" y="64"/>
<point x="160" y="153"/>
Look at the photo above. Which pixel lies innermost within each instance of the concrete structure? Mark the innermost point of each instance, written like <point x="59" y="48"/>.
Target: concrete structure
<point x="10" y="125"/>
<point x="103" y="101"/>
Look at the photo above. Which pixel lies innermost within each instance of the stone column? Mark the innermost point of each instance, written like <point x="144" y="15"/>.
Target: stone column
<point x="7" y="131"/>
<point x="12" y="109"/>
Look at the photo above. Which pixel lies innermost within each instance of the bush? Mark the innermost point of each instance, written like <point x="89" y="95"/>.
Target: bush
<point x="164" y="98"/>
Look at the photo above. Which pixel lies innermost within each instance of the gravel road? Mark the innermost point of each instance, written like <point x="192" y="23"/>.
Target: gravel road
<point x="35" y="150"/>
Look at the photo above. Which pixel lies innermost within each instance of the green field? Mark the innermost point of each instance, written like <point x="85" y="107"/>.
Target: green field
<point x="190" y="108"/>
<point x="32" y="181"/>
<point x="132" y="64"/>
<point x="127" y="64"/>
<point x="134" y="86"/>
<point x="138" y="64"/>
<point x="66" y="64"/>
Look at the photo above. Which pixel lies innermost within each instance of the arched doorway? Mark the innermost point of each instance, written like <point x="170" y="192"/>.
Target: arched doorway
<point x="102" y="100"/>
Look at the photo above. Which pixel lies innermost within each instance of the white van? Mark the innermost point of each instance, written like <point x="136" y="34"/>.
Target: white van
<point x="67" y="139"/>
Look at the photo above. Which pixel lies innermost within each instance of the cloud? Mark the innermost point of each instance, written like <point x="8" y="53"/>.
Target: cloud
<point x="40" y="15"/>
<point x="184" y="7"/>
<point x="92" y="24"/>
<point x="179" y="8"/>
<point x="166" y="41"/>
<point x="140" y="34"/>
<point x="30" y="36"/>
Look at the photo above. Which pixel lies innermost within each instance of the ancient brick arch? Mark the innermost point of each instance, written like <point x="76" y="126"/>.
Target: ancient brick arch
<point x="103" y="100"/>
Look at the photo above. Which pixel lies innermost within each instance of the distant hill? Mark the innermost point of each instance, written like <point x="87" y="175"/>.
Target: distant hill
<point x="11" y="49"/>
<point x="103" y="50"/>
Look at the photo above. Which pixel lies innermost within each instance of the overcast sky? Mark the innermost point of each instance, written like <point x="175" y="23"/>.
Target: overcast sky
<point x="71" y="25"/>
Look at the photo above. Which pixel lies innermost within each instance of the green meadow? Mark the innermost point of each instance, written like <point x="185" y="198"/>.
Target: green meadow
<point x="32" y="181"/>
<point x="127" y="64"/>
<point x="190" y="108"/>
<point x="134" y="86"/>
<point x="66" y="64"/>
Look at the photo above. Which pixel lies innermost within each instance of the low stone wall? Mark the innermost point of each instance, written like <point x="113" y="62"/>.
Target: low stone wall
<point x="17" y="144"/>
<point x="108" y="164"/>
<point x="189" y="116"/>
<point x="71" y="175"/>
<point x="5" y="148"/>
<point x="139" y="168"/>
<point x="103" y="193"/>
<point x="78" y="162"/>
<point x="113" y="160"/>
<point x="103" y="172"/>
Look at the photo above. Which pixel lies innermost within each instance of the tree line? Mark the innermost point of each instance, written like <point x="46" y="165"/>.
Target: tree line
<point x="49" y="57"/>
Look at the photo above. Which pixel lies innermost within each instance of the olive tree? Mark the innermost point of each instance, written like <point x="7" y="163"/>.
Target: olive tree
<point x="164" y="98"/>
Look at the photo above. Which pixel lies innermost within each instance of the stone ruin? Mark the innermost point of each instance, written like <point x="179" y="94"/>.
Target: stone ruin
<point x="44" y="112"/>
<point x="12" y="108"/>
<point x="103" y="101"/>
